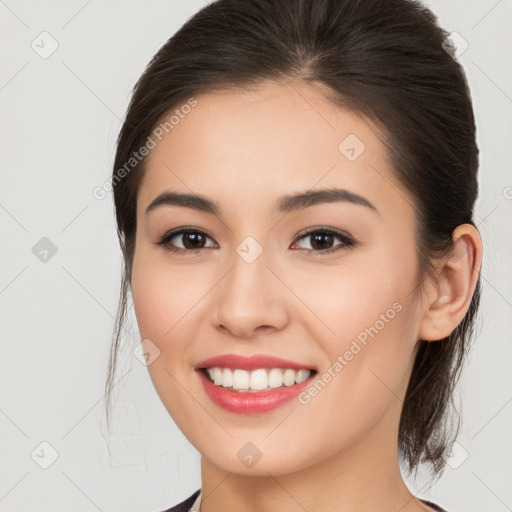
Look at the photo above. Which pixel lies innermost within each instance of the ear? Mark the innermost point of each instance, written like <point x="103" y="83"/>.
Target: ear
<point x="450" y="297"/>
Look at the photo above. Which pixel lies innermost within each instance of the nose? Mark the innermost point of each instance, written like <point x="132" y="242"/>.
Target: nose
<point x="251" y="299"/>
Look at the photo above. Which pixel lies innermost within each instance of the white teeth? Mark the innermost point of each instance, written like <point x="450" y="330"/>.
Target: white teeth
<point x="275" y="378"/>
<point x="256" y="380"/>
<point x="227" y="377"/>
<point x="289" y="377"/>
<point x="240" y="379"/>
<point x="302" y="375"/>
<point x="217" y="376"/>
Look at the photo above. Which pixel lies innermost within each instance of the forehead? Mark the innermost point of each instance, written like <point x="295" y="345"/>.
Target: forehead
<point x="244" y="146"/>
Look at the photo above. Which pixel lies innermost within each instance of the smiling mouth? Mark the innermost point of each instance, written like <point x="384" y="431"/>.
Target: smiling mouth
<point x="257" y="380"/>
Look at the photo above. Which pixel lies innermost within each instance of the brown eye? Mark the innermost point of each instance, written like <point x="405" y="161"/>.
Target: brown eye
<point x="192" y="240"/>
<point x="321" y="240"/>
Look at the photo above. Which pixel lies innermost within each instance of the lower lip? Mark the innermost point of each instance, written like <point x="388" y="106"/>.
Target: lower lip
<point x="251" y="403"/>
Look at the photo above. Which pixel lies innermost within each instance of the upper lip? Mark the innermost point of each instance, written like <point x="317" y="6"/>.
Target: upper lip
<point x="251" y="363"/>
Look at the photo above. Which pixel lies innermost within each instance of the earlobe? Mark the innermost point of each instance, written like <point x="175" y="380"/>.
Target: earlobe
<point x="450" y="297"/>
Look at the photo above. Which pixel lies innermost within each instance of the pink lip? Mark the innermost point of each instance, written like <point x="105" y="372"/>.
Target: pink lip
<point x="251" y="403"/>
<point x="251" y="363"/>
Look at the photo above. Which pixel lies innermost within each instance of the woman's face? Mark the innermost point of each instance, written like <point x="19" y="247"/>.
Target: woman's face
<point x="261" y="281"/>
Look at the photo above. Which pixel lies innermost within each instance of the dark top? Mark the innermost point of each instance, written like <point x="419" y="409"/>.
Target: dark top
<point x="185" y="505"/>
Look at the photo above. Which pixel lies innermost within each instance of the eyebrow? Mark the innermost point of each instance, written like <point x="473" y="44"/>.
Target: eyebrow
<point x="285" y="204"/>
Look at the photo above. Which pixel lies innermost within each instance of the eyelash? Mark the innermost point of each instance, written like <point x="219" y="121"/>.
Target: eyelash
<point x="348" y="242"/>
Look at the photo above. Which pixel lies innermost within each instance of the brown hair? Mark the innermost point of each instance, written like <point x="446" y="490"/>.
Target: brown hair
<point x="385" y="60"/>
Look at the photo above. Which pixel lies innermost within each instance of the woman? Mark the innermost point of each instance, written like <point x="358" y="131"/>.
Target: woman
<point x="294" y="187"/>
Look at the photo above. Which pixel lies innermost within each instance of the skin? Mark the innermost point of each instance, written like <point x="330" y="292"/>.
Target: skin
<point x="339" y="451"/>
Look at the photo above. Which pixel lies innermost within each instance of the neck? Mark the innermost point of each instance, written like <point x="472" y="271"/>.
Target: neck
<point x="361" y="477"/>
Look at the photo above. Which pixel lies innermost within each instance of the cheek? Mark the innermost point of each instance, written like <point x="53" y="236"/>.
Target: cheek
<point x="167" y="301"/>
<point x="162" y="294"/>
<point x="161" y="300"/>
<point x="366" y="316"/>
<point x="349" y="298"/>
<point x="369" y="344"/>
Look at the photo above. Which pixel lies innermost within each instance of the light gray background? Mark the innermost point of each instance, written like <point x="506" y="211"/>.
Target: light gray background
<point x="60" y="117"/>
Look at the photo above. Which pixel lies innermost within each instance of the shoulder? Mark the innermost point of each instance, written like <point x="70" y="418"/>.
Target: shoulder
<point x="184" y="505"/>
<point x="433" y="506"/>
